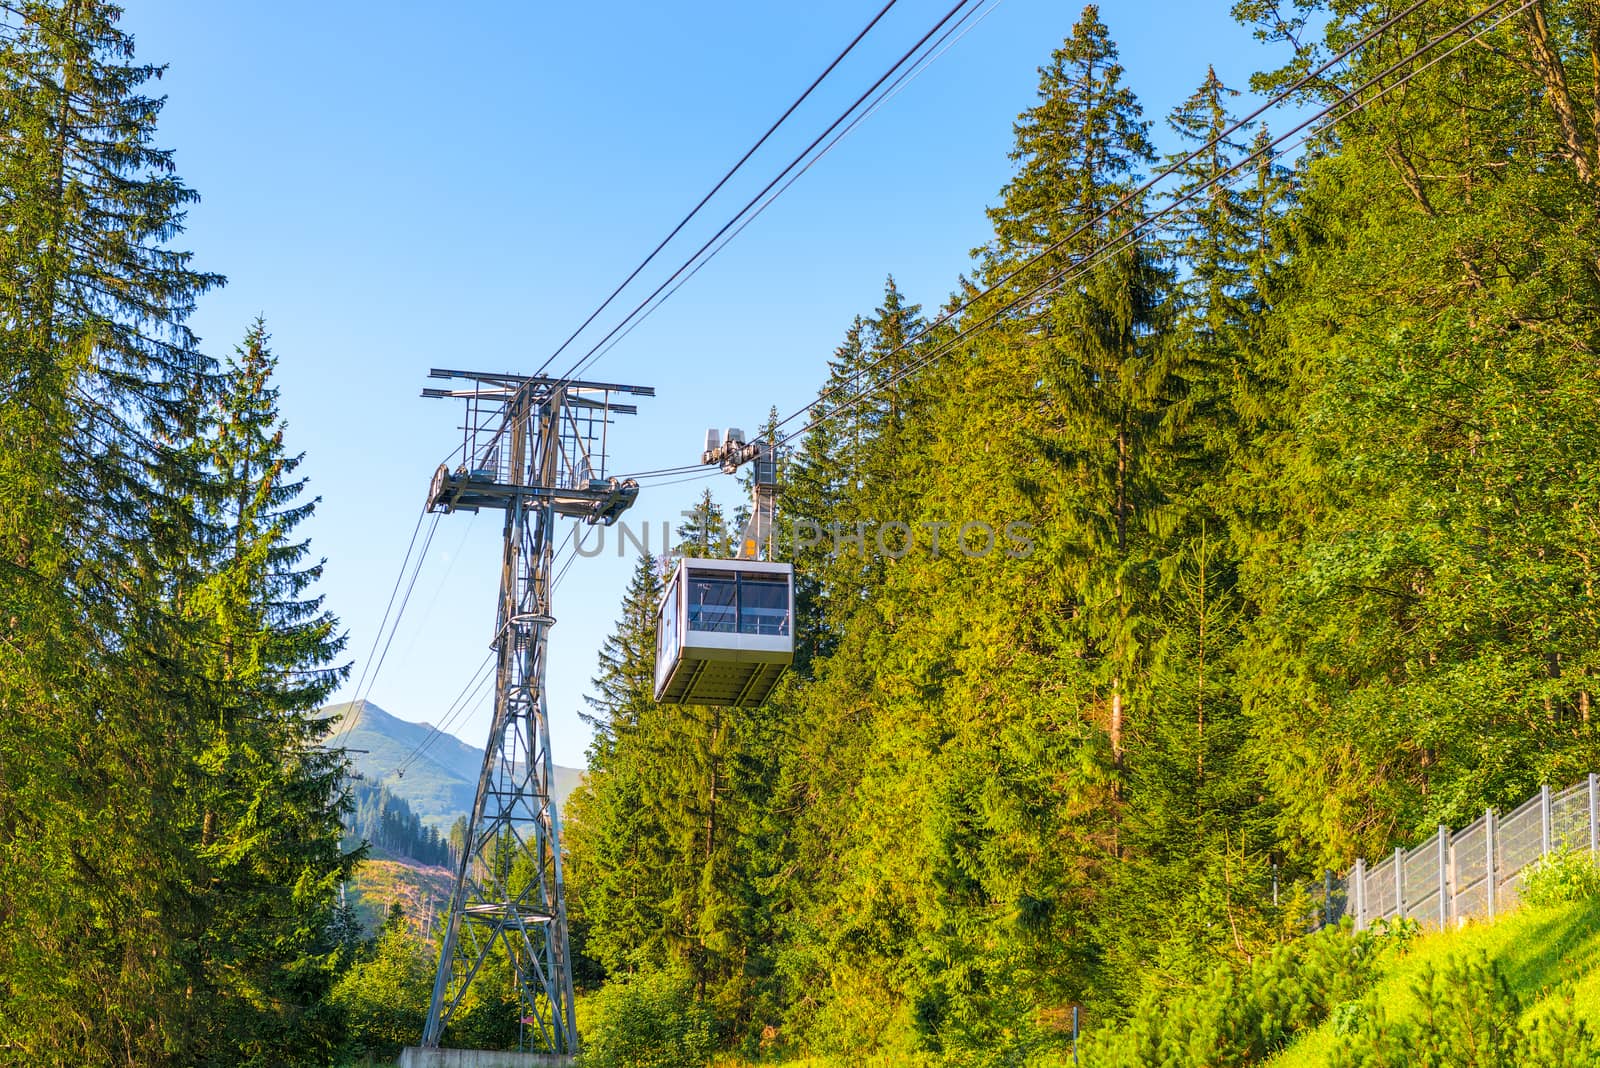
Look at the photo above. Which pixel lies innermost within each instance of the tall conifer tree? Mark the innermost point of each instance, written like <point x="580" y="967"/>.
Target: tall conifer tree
<point x="268" y="824"/>
<point x="1102" y="351"/>
<point x="615" y="833"/>
<point x="100" y="378"/>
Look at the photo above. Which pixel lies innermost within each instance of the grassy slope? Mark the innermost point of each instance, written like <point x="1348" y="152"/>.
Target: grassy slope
<point x="1546" y="953"/>
<point x="379" y="883"/>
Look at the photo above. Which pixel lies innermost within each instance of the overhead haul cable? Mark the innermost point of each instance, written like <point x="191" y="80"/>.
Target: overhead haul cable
<point x="1090" y="262"/>
<point x="346" y="724"/>
<point x="451" y="713"/>
<point x="371" y="678"/>
<point x="718" y="187"/>
<point x="1281" y="97"/>
<point x="958" y="30"/>
<point x="591" y="355"/>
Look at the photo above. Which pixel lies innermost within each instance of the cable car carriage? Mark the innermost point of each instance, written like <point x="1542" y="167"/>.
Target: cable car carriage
<point x="725" y="630"/>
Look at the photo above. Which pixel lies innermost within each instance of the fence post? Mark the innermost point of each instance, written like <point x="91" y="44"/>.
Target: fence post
<point x="1360" y="876"/>
<point x="1488" y="839"/>
<point x="1444" y="878"/>
<point x="1399" y="883"/>
<point x="1594" y="813"/>
<point x="1544" y="821"/>
<point x="1455" y="883"/>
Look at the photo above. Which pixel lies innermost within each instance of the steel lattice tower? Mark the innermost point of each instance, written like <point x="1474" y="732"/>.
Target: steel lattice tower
<point x="533" y="447"/>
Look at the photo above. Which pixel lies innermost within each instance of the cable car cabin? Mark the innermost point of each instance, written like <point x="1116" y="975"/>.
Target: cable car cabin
<point x="725" y="632"/>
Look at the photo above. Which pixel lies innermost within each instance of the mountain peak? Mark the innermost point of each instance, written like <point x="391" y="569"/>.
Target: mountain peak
<point x="436" y="772"/>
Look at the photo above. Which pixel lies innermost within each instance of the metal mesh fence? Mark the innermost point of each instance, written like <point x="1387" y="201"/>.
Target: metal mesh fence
<point x="1380" y="897"/>
<point x="1569" y="818"/>
<point x="1519" y="838"/>
<point x="1477" y="871"/>
<point x="1331" y="900"/>
<point x="1421" y="883"/>
<point x="1336" y="904"/>
<point x="1473" y="901"/>
<point x="1469" y="849"/>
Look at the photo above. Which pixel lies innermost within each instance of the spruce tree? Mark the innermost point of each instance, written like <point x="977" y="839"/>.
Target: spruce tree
<point x="850" y="480"/>
<point x="620" y="868"/>
<point x="818" y="503"/>
<point x="268" y="819"/>
<point x="101" y="383"/>
<point x="663" y="862"/>
<point x="1193" y="882"/>
<point x="1102" y="351"/>
<point x="704" y="531"/>
<point x="624" y="686"/>
<point x="1078" y="152"/>
<point x="1216" y="239"/>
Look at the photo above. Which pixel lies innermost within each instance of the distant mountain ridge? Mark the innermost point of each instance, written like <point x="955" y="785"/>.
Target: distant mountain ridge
<point x="440" y="784"/>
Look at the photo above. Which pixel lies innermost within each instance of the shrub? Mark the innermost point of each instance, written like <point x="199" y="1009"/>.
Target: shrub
<point x="1241" y="1017"/>
<point x="1560" y="877"/>
<point x="649" y="1020"/>
<point x="385" y="996"/>
<point x="1466" y="1017"/>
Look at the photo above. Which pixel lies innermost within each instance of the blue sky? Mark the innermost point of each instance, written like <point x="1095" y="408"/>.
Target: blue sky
<point x="402" y="186"/>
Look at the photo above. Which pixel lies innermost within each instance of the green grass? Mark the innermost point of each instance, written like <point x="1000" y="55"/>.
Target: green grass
<point x="869" y="1060"/>
<point x="1545" y="953"/>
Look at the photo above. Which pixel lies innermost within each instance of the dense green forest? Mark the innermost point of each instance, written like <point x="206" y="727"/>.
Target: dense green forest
<point x="386" y="824"/>
<point x="1207" y="536"/>
<point x="1268" y="512"/>
<point x="169" y="823"/>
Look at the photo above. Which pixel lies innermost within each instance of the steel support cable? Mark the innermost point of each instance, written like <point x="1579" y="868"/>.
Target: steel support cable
<point x="478" y="687"/>
<point x="1236" y="171"/>
<point x="591" y="355"/>
<point x="718" y="187"/>
<point x="894" y="88"/>
<point x="422" y="556"/>
<point x="377" y="637"/>
<point x="1095" y="257"/>
<point x="561" y="572"/>
<point x="571" y="538"/>
<point x="450" y="714"/>
<point x="944" y="347"/>
<point x="908" y="75"/>
<point x="449" y="569"/>
<point x="1277" y="100"/>
<point x="405" y="761"/>
<point x="572" y="533"/>
<point x="662" y="471"/>
<point x="1123" y="240"/>
<point x="1232" y="174"/>
<point x="699" y="471"/>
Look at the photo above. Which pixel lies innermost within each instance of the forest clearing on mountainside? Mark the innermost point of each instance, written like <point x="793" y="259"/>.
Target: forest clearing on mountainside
<point x="1307" y="452"/>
